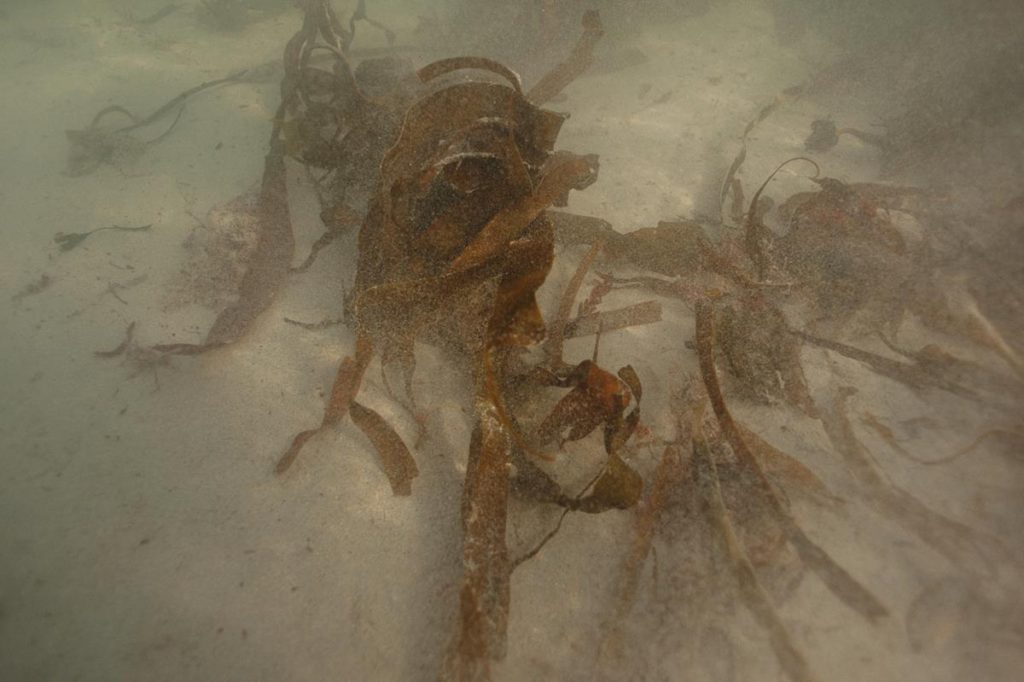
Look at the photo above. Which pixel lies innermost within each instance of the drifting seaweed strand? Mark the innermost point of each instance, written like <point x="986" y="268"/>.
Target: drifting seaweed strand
<point x="317" y="326"/>
<point x="121" y="347"/>
<point x="556" y="330"/>
<point x="68" y="241"/>
<point x="705" y="473"/>
<point x="835" y="577"/>
<point x="910" y="374"/>
<point x="360" y="14"/>
<point x="579" y="61"/>
<point x="669" y="472"/>
<point x="395" y="458"/>
<point x="757" y="237"/>
<point x="646" y="312"/>
<point x="960" y="544"/>
<point x="178" y="101"/>
<point x="791" y="94"/>
<point x="570" y="505"/>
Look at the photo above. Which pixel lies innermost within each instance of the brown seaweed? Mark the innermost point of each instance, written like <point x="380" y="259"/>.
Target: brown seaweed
<point x="836" y="578"/>
<point x="913" y="375"/>
<point x="93" y="146"/>
<point x="68" y="241"/>
<point x="791" y="660"/>
<point x="398" y="463"/>
<point x="960" y="544"/>
<point x="556" y="330"/>
<point x="268" y="268"/>
<point x="485" y="593"/>
<point x="581" y="58"/>
<point x="886" y="434"/>
<point x="757" y="238"/>
<point x="645" y="312"/>
<point x="122" y="347"/>
<point x="38" y="286"/>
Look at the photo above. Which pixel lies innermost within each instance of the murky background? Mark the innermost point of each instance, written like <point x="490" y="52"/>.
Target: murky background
<point x="868" y="310"/>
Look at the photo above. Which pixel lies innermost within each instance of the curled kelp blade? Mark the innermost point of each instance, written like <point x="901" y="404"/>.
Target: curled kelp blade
<point x="446" y="66"/>
<point x="705" y="475"/>
<point x="618" y="487"/>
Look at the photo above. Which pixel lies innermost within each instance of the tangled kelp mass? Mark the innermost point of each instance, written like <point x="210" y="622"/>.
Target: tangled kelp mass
<point x="554" y="341"/>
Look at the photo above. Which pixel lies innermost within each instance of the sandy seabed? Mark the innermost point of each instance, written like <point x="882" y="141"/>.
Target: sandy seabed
<point x="143" y="535"/>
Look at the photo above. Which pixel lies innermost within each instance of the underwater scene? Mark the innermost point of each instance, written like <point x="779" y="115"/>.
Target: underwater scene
<point x="468" y="340"/>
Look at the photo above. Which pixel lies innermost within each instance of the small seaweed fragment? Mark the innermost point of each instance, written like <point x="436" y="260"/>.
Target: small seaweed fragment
<point x="360" y="15"/>
<point x="399" y="466"/>
<point x="33" y="288"/>
<point x="823" y="137"/>
<point x="317" y="326"/>
<point x="556" y="329"/>
<point x="68" y="241"/>
<point x="741" y="156"/>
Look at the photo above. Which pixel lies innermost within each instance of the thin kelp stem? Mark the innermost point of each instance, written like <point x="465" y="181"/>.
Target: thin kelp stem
<point x="757" y="237"/>
<point x="68" y="241"/>
<point x="177" y="101"/>
<point x="754" y="597"/>
<point x="556" y="329"/>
